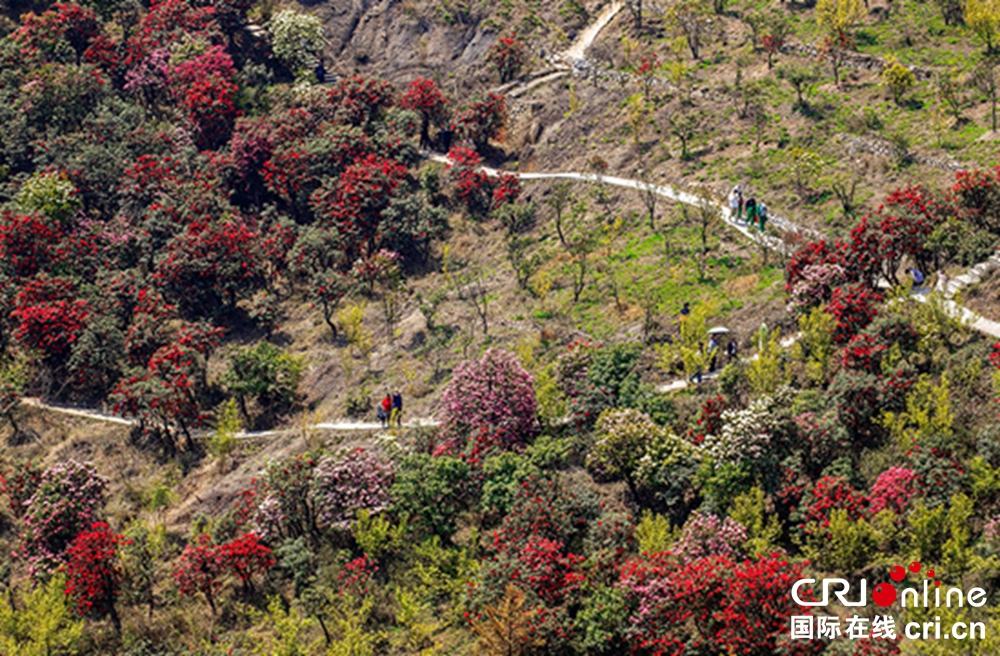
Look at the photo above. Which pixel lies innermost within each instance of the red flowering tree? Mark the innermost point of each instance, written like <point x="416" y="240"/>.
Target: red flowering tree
<point x="493" y="392"/>
<point x="200" y="569"/>
<point x="359" y="101"/>
<point x="49" y="318"/>
<point x="478" y="191"/>
<point x="245" y="557"/>
<point x="211" y="106"/>
<point x="508" y="56"/>
<point x="709" y="420"/>
<point x="812" y="254"/>
<point x="482" y="120"/>
<point x="713" y="604"/>
<point x="853" y="306"/>
<point x="649" y="66"/>
<point x="976" y="196"/>
<point x="424" y="97"/>
<point x="214" y="262"/>
<point x="26" y="244"/>
<point x="78" y="24"/>
<point x="829" y="493"/>
<point x="166" y="396"/>
<point x="355" y="202"/>
<point x="93" y="573"/>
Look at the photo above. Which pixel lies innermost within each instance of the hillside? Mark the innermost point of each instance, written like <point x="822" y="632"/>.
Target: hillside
<point x="631" y="418"/>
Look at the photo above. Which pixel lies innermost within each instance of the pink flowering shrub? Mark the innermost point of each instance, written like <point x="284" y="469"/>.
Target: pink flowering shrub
<point x="815" y="286"/>
<point x="705" y="534"/>
<point x="894" y="489"/>
<point x="359" y="480"/>
<point x="494" y="391"/>
<point x="66" y="502"/>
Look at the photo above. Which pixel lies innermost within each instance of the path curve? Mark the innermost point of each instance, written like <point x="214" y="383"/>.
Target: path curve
<point x="589" y="34"/>
<point x="337" y="426"/>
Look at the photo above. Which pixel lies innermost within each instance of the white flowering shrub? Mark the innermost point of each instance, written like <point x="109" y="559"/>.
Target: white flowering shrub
<point x="297" y="40"/>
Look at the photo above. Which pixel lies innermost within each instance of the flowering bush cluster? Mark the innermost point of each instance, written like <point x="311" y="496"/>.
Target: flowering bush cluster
<point x="493" y="392"/>
<point x="705" y="535"/>
<point x="343" y="485"/>
<point x="65" y="502"/>
<point x="894" y="490"/>
<point x="508" y="56"/>
<point x="93" y="572"/>
<point x="203" y="564"/>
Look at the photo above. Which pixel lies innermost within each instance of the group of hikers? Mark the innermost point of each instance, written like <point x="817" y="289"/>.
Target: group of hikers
<point x="390" y="410"/>
<point x="714" y="347"/>
<point x="756" y="211"/>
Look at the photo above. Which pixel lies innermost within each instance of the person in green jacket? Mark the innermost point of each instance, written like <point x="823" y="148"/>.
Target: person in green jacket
<point x="751" y="211"/>
<point x="762" y="214"/>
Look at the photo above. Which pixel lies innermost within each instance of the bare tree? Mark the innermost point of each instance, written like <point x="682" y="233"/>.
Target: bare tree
<point x="635" y="8"/>
<point x="649" y="195"/>
<point x="984" y="78"/>
<point x="560" y="199"/>
<point x="708" y="211"/>
<point x="684" y="125"/>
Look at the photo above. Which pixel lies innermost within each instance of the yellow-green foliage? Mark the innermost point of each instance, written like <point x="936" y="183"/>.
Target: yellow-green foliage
<point x="42" y="624"/>
<point x="815" y="344"/>
<point x="692" y="332"/>
<point x="51" y="194"/>
<point x="897" y="78"/>
<point x="415" y="617"/>
<point x="638" y="113"/>
<point x="440" y="574"/>
<point x="377" y="535"/>
<point x="654" y="533"/>
<point x="957" y="555"/>
<point x="937" y="325"/>
<point x="848" y="547"/>
<point x="284" y="632"/>
<point x="928" y="531"/>
<point x="765" y="372"/>
<point x="983" y="18"/>
<point x="985" y="481"/>
<point x="223" y="440"/>
<point x="839" y="16"/>
<point x="763" y="528"/>
<point x="927" y="416"/>
<point x="352" y="637"/>
<point x="351" y="317"/>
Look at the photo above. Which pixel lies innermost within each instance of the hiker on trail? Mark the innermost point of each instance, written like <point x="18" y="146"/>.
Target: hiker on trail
<point x="397" y="409"/>
<point x="713" y="352"/>
<point x="384" y="410"/>
<point x="942" y="282"/>
<point x="320" y="72"/>
<point x="918" y="277"/>
<point x="762" y="214"/>
<point x="701" y="358"/>
<point x="734" y="203"/>
<point x="731" y="349"/>
<point x="751" y="211"/>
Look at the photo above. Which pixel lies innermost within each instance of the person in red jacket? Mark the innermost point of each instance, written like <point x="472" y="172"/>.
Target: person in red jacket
<point x="385" y="410"/>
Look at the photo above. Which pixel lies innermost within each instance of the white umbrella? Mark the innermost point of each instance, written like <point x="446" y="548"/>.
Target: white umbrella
<point x="718" y="330"/>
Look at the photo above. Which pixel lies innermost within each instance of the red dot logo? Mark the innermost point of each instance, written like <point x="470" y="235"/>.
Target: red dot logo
<point x="914" y="567"/>
<point x="884" y="595"/>
<point x="897" y="573"/>
<point x="930" y="573"/>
